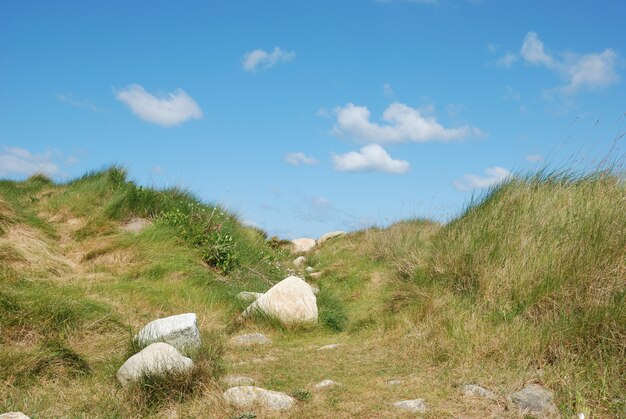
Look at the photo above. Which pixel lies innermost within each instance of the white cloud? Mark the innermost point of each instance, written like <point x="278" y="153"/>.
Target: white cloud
<point x="260" y="58"/>
<point x="403" y="123"/>
<point x="589" y="71"/>
<point x="371" y="158"/>
<point x="296" y="159"/>
<point x="534" y="158"/>
<point x="167" y="110"/>
<point x="19" y="161"/>
<point x="69" y="99"/>
<point x="494" y="175"/>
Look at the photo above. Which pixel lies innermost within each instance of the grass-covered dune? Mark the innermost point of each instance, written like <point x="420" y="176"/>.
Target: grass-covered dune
<point x="527" y="285"/>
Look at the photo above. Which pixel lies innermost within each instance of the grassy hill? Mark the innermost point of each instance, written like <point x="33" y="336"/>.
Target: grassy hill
<point x="527" y="285"/>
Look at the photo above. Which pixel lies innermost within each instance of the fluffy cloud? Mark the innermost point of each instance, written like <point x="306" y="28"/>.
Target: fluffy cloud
<point x="167" y="110"/>
<point x="371" y="158"/>
<point x="262" y="59"/>
<point x="589" y="71"/>
<point x="403" y="123"/>
<point x="494" y="175"/>
<point x="19" y="161"/>
<point x="296" y="159"/>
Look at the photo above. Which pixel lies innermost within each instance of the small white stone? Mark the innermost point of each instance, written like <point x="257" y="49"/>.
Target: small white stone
<point x="299" y="261"/>
<point x="331" y="346"/>
<point x="394" y="382"/>
<point x="14" y="415"/>
<point x="326" y="383"/>
<point x="414" y="406"/>
<point x="309" y="269"/>
<point x="250" y="339"/>
<point x="180" y="331"/>
<point x="249" y="396"/>
<point x="157" y="358"/>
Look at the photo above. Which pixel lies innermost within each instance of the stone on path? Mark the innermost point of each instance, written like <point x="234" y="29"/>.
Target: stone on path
<point x="302" y="245"/>
<point x="534" y="400"/>
<point x="477" y="391"/>
<point x="180" y="331"/>
<point x="331" y="346"/>
<point x="249" y="296"/>
<point x="414" y="406"/>
<point x="300" y="261"/>
<point x="330" y="235"/>
<point x="290" y="301"/>
<point x="14" y="415"/>
<point x="250" y="339"/>
<point x="326" y="383"/>
<point x="249" y="396"/>
<point x="232" y="380"/>
<point x="136" y="225"/>
<point x="157" y="358"/>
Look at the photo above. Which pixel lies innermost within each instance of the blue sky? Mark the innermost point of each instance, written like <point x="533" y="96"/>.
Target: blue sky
<point x="305" y="117"/>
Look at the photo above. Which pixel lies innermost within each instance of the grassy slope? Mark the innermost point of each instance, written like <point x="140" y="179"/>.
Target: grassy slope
<point x="528" y="285"/>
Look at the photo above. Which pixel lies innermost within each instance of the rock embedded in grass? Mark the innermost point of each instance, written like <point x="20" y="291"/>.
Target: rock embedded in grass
<point x="413" y="406"/>
<point x="157" y="358"/>
<point x="249" y="396"/>
<point x="290" y="301"/>
<point x="477" y="391"/>
<point x="250" y="339"/>
<point x="326" y="384"/>
<point x="232" y="380"/>
<point x="302" y="245"/>
<point x="14" y="415"/>
<point x="299" y="262"/>
<point x="330" y="346"/>
<point x="309" y="269"/>
<point x="249" y="296"/>
<point x="180" y="331"/>
<point x="329" y="236"/>
<point x="394" y="382"/>
<point x="534" y="400"/>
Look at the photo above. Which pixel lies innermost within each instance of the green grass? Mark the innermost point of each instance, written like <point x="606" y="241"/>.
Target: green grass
<point x="526" y="285"/>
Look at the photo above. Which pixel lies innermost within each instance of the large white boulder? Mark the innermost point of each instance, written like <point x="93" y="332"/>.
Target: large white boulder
<point x="180" y="331"/>
<point x="330" y="235"/>
<point x="291" y="301"/>
<point x="302" y="245"/>
<point x="249" y="396"/>
<point x="14" y="415"/>
<point x="157" y="358"/>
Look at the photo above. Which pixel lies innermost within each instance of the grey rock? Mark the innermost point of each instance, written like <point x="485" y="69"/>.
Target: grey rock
<point x="250" y="339"/>
<point x="326" y="383"/>
<point x="14" y="415"/>
<point x="249" y="396"/>
<point x="477" y="391"/>
<point x="157" y="358"/>
<point x="290" y="301"/>
<point x="414" y="406"/>
<point x="249" y="296"/>
<point x="534" y="400"/>
<point x="237" y="380"/>
<point x="330" y="235"/>
<point x="331" y="346"/>
<point x="302" y="245"/>
<point x="180" y="331"/>
<point x="299" y="262"/>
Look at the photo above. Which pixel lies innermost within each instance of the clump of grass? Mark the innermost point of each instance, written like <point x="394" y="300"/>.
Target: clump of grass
<point x="301" y="395"/>
<point x="332" y="312"/>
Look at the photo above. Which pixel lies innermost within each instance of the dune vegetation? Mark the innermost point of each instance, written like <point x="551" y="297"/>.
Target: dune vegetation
<point x="527" y="285"/>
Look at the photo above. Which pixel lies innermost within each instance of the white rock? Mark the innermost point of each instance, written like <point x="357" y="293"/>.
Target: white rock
<point x="237" y="380"/>
<point x="14" y="415"/>
<point x="330" y="235"/>
<point x="299" y="261"/>
<point x="250" y="339"/>
<point x="157" y="358"/>
<point x="248" y="396"/>
<point x="534" y="400"/>
<point x="326" y="383"/>
<point x="302" y="245"/>
<point x="315" y="289"/>
<point x="290" y="301"/>
<point x="331" y="346"/>
<point x="394" y="382"/>
<point x="309" y="269"/>
<point x="478" y="391"/>
<point x="249" y="296"/>
<point x="414" y="406"/>
<point x="180" y="331"/>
